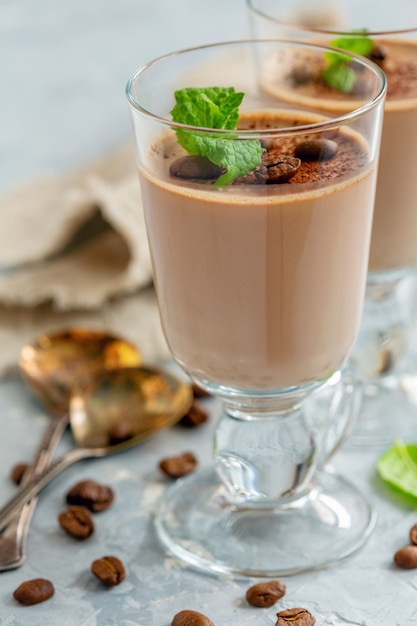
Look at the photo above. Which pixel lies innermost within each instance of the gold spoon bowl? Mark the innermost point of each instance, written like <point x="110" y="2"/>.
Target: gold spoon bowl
<point x="56" y="365"/>
<point x="143" y="399"/>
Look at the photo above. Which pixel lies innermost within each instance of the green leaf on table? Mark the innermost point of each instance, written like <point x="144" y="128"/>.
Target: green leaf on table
<point x="215" y="108"/>
<point x="398" y="467"/>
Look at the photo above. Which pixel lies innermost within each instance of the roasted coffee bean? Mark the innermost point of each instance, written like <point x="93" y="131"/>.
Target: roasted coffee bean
<point x="413" y="534"/>
<point x="194" y="167"/>
<point x="77" y="522"/>
<point x="295" y="617"/>
<point x="257" y="176"/>
<point x="406" y="557"/>
<point x="90" y="494"/>
<point x="265" y="594"/>
<point x="17" y="472"/>
<point x="34" y="591"/>
<point x="109" y="570"/>
<point x="198" y="392"/>
<point x="316" y="150"/>
<point x="177" y="466"/>
<point x="191" y="618"/>
<point x="301" y="75"/>
<point x="195" y="416"/>
<point x="282" y="170"/>
<point x="378" y="54"/>
<point x="120" y="431"/>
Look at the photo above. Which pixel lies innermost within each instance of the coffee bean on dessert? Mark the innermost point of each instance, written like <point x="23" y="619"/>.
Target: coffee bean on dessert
<point x="406" y="557"/>
<point x="413" y="534"/>
<point x="34" y="591"/>
<point x="199" y="392"/>
<point x="378" y="54"/>
<point x="77" y="522"/>
<point x="191" y="618"/>
<point x="120" y="431"/>
<point x="301" y="74"/>
<point x="17" y="472"/>
<point x="265" y="594"/>
<point x="109" y="570"/>
<point x="195" y="416"/>
<point x="316" y="150"/>
<point x="295" y="617"/>
<point x="282" y="170"/>
<point x="178" y="466"/>
<point x="194" y="167"/>
<point x="90" y="494"/>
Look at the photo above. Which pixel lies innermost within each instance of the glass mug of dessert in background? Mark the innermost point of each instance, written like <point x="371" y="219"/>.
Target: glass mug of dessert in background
<point x="382" y="355"/>
<point x="260" y="254"/>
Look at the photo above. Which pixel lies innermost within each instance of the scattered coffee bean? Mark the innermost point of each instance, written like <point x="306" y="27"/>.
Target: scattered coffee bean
<point x="195" y="416"/>
<point x="265" y="594"/>
<point x="109" y="570"/>
<point x="191" y="618"/>
<point x="316" y="150"/>
<point x="178" y="466"/>
<point x="199" y="392"/>
<point x="413" y="534"/>
<point x="194" y="167"/>
<point x="406" y="557"/>
<point x="90" y="494"/>
<point x="17" y="472"/>
<point x="295" y="617"/>
<point x="34" y="591"/>
<point x="77" y="522"/>
<point x="281" y="170"/>
<point x="120" y="431"/>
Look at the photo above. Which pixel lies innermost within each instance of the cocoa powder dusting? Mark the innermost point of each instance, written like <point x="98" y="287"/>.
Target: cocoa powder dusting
<point x="350" y="156"/>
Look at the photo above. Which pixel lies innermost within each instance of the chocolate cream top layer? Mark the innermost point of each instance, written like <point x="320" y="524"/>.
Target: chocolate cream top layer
<point x="297" y="76"/>
<point x="290" y="164"/>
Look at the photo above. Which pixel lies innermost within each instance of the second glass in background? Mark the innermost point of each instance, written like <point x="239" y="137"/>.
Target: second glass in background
<point x="382" y="355"/>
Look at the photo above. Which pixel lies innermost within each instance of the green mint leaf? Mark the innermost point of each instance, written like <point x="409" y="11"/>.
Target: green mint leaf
<point x="398" y="468"/>
<point x="361" y="45"/>
<point x="338" y="75"/>
<point x="218" y="108"/>
<point x="211" y="107"/>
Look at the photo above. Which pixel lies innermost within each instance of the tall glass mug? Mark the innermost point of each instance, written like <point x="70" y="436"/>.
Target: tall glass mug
<point x="382" y="357"/>
<point x="260" y="253"/>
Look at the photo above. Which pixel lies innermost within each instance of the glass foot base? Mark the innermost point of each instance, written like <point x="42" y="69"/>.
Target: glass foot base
<point x="387" y="413"/>
<point x="195" y="523"/>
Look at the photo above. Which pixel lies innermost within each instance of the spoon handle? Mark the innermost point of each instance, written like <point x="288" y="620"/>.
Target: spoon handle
<point x="29" y="491"/>
<point x="13" y="539"/>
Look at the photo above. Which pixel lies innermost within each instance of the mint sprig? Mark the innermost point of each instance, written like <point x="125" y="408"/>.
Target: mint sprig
<point x="218" y="108"/>
<point x="338" y="74"/>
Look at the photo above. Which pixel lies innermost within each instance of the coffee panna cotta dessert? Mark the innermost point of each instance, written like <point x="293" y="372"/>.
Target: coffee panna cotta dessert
<point x="394" y="233"/>
<point x="278" y="256"/>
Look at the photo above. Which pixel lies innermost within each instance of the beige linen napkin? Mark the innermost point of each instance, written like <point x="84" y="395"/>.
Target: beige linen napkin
<point x="38" y="221"/>
<point x="73" y="251"/>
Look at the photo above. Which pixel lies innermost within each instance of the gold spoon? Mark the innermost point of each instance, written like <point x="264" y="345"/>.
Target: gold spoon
<point x="143" y="399"/>
<point x="52" y="366"/>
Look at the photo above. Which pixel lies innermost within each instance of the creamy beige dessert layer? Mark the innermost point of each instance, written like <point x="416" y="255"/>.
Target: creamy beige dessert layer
<point x="261" y="286"/>
<point x="394" y="234"/>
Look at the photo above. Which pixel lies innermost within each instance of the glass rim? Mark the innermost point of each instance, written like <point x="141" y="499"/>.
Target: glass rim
<point x="325" y="31"/>
<point x="321" y="125"/>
